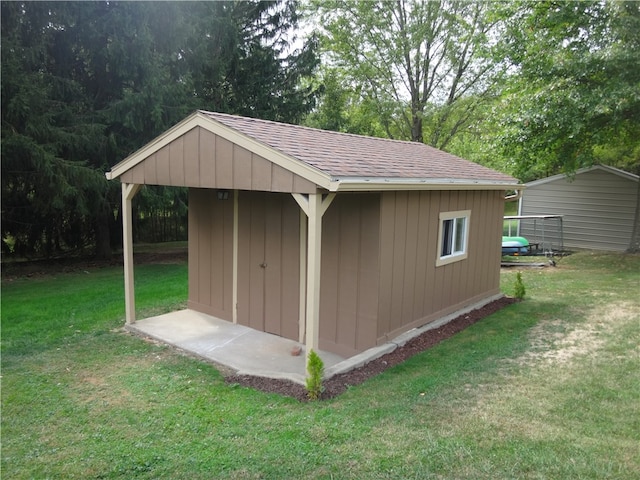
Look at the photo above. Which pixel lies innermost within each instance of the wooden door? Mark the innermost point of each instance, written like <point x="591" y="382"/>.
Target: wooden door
<point x="269" y="263"/>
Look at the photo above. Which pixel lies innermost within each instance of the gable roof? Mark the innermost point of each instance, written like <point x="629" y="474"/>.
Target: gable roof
<point x="332" y="160"/>
<point x="605" y="168"/>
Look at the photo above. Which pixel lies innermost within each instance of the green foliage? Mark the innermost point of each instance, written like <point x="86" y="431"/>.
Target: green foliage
<point x="345" y="109"/>
<point x="240" y="61"/>
<point x="425" y="67"/>
<point x="575" y="99"/>
<point x="315" y="369"/>
<point x="160" y="214"/>
<point x="75" y="77"/>
<point x="86" y="84"/>
<point x="519" y="290"/>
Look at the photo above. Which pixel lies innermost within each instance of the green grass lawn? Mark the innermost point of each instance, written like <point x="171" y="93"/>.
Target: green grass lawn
<point x="547" y="388"/>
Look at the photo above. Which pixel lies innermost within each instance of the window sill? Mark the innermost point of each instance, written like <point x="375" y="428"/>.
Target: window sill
<point x="451" y="259"/>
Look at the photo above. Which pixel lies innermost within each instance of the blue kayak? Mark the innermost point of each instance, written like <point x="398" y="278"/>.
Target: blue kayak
<point x="515" y="246"/>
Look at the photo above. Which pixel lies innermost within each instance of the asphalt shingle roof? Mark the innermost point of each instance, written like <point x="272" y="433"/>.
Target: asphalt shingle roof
<point x="354" y="156"/>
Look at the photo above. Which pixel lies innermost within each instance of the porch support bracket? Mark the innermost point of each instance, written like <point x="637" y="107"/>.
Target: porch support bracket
<point x="314" y="206"/>
<point x="129" y="190"/>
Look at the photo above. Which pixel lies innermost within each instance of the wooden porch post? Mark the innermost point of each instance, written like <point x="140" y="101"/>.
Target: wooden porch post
<point x="314" y="205"/>
<point x="128" y="192"/>
<point x="303" y="276"/>
<point x="314" y="239"/>
<point x="234" y="288"/>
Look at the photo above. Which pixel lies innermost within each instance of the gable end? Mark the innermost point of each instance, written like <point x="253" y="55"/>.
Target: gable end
<point x="199" y="158"/>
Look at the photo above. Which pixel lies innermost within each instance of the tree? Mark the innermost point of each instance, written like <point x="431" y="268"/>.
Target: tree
<point x="84" y="84"/>
<point x="48" y="188"/>
<point x="575" y="99"/>
<point x="576" y="92"/>
<point x="342" y="109"/>
<point x="418" y="61"/>
<point x="129" y="66"/>
<point x="87" y="83"/>
<point x="241" y="63"/>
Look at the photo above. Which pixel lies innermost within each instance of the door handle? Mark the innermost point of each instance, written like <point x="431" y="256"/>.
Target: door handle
<point x="263" y="265"/>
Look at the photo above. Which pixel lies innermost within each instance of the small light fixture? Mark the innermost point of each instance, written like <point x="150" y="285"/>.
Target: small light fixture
<point x="223" y="194"/>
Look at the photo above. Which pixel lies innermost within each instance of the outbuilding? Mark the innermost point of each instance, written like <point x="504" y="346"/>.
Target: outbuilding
<point x="597" y="206"/>
<point x="338" y="241"/>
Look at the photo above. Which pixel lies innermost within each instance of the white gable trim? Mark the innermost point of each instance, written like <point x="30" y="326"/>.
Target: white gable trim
<point x="198" y="119"/>
<point x="606" y="168"/>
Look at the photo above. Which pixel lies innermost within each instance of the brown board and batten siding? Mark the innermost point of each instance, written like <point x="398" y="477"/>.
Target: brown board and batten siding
<point x="210" y="254"/>
<point x="268" y="259"/>
<point x="598" y="207"/>
<point x="413" y="290"/>
<point x="379" y="273"/>
<point x="350" y="273"/>
<point x="202" y="159"/>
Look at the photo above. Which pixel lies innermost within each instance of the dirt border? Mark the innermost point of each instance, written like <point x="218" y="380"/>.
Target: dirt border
<point x="337" y="384"/>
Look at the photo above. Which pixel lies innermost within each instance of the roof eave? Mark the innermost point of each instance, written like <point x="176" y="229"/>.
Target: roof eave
<point x="355" y="184"/>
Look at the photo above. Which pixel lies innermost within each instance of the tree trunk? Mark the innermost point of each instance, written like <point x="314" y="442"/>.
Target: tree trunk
<point x="416" y="127"/>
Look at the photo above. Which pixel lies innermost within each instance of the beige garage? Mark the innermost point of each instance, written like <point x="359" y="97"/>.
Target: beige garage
<point x="338" y="241"/>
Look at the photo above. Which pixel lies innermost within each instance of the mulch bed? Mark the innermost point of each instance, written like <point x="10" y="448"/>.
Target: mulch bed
<point x="339" y="383"/>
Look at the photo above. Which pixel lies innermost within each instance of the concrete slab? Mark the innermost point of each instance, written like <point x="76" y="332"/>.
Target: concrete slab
<point x="251" y="352"/>
<point x="243" y="349"/>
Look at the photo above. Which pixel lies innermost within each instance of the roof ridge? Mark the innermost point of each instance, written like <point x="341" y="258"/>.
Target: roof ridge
<point x="368" y="137"/>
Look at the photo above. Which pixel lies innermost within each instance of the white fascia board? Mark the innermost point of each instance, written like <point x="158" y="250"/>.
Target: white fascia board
<point x="351" y="184"/>
<point x="616" y="171"/>
<point x="198" y="119"/>
<point x="564" y="176"/>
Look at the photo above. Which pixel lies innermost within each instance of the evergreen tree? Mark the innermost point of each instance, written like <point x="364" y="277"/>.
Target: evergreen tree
<point x="84" y="84"/>
<point x="48" y="187"/>
<point x="241" y="63"/>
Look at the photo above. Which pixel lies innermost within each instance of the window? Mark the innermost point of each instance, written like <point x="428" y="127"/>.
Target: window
<point x="453" y="235"/>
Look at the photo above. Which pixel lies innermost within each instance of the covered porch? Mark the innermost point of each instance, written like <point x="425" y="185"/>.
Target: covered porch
<point x="244" y="350"/>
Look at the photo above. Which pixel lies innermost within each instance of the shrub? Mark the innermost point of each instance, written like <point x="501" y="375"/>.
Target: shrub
<point x="315" y="368"/>
<point x="519" y="289"/>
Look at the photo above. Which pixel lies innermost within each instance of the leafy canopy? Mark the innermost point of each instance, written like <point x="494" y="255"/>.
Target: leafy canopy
<point x="575" y="99"/>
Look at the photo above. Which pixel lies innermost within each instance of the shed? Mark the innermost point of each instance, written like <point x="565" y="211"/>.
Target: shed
<point x="338" y="241"/>
<point x="597" y="205"/>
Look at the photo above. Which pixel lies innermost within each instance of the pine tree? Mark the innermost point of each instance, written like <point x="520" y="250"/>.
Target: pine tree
<point x="84" y="84"/>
